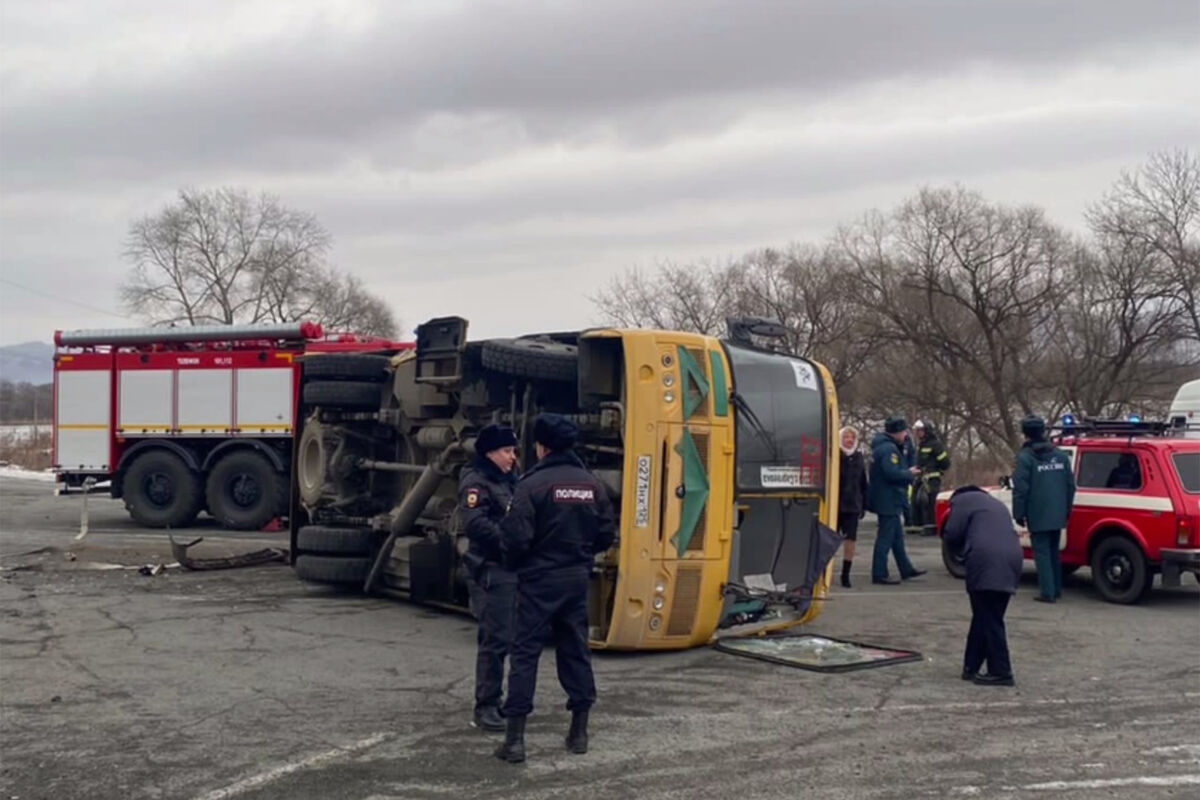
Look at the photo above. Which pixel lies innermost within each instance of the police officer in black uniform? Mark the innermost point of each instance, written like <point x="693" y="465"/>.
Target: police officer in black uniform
<point x="933" y="461"/>
<point x="485" y="491"/>
<point x="560" y="517"/>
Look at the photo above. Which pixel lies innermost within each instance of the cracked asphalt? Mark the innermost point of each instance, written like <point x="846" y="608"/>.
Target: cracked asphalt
<point x="248" y="683"/>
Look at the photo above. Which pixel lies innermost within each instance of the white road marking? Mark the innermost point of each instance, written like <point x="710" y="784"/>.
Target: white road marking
<point x="272" y="775"/>
<point x="1096" y="783"/>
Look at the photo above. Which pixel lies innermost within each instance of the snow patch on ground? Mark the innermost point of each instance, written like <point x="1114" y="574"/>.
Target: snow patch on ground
<point x="26" y="474"/>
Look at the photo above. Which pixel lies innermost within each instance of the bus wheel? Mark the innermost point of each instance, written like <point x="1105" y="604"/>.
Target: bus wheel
<point x="244" y="491"/>
<point x="1120" y="571"/>
<point x="339" y="541"/>
<point x="330" y="569"/>
<point x="161" y="492"/>
<point x="348" y="367"/>
<point x="344" y="395"/>
<point x="953" y="559"/>
<point x="531" y="358"/>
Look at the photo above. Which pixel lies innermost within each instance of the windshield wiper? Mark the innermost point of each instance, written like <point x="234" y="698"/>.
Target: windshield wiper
<point x="755" y="423"/>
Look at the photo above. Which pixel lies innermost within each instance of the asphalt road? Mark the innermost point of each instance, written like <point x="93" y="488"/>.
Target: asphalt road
<point x="249" y="684"/>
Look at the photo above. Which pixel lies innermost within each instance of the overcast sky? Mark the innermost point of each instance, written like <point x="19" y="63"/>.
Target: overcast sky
<point x="502" y="161"/>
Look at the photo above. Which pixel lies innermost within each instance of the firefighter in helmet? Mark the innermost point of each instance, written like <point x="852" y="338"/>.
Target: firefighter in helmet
<point x="933" y="461"/>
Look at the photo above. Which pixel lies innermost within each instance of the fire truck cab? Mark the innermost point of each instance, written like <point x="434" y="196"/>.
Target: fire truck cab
<point x="187" y="419"/>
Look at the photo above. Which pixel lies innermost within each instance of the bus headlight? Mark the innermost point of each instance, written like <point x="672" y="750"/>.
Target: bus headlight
<point x="660" y="586"/>
<point x="668" y="380"/>
<point x="659" y="602"/>
<point x="669" y="397"/>
<point x="655" y="622"/>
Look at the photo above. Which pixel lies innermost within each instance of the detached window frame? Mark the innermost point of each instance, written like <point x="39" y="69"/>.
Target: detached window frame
<point x="1115" y="456"/>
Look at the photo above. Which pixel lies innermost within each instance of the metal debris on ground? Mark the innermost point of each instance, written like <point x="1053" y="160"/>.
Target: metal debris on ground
<point x="265" y="556"/>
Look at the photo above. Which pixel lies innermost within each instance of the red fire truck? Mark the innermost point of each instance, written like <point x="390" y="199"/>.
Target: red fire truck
<point x="181" y="420"/>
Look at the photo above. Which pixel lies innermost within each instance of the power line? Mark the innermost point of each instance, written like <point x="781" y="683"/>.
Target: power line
<point x="62" y="299"/>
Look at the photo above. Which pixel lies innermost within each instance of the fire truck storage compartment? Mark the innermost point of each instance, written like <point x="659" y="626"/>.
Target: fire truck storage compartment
<point x="82" y="412"/>
<point x="205" y="403"/>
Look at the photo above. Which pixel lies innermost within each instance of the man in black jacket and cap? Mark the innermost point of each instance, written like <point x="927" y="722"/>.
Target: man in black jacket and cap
<point x="485" y="491"/>
<point x="980" y="527"/>
<point x="561" y="517"/>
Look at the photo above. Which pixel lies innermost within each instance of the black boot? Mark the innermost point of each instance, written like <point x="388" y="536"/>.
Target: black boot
<point x="488" y="718"/>
<point x="513" y="749"/>
<point x="846" y="574"/>
<point x="577" y="736"/>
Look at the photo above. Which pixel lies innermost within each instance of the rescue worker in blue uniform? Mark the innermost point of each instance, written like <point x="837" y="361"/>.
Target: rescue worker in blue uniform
<point x="933" y="461"/>
<point x="560" y="518"/>
<point x="1043" y="495"/>
<point x="887" y="496"/>
<point x="485" y="491"/>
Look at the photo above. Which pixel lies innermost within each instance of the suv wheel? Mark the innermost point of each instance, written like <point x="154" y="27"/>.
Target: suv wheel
<point x="1120" y="571"/>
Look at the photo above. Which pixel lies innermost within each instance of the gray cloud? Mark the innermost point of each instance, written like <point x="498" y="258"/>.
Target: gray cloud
<point x="459" y="151"/>
<point x="317" y="97"/>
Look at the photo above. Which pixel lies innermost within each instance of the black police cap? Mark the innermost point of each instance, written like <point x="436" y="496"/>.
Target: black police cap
<point x="555" y="432"/>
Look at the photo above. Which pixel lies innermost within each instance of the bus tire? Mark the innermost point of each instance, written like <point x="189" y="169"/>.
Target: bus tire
<point x="244" y="492"/>
<point x="347" y="367"/>
<point x="347" y="395"/>
<point x="532" y="358"/>
<point x="160" y="491"/>
<point x="1120" y="570"/>
<point x="332" y="569"/>
<point x="330" y="540"/>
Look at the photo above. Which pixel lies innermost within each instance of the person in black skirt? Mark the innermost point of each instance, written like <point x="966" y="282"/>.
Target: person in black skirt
<point x="980" y="527"/>
<point x="852" y="506"/>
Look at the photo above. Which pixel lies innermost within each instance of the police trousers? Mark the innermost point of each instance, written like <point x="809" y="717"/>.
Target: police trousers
<point x="987" y="640"/>
<point x="493" y="600"/>
<point x="551" y="607"/>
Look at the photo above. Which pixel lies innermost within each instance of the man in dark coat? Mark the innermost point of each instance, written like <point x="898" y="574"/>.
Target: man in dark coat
<point x="980" y="527"/>
<point x="485" y="490"/>
<point x="933" y="461"/>
<point x="887" y="494"/>
<point x="561" y="517"/>
<point x="852" y="501"/>
<point x="1043" y="495"/>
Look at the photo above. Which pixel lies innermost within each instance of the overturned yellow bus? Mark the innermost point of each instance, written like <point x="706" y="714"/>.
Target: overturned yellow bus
<point x="720" y="456"/>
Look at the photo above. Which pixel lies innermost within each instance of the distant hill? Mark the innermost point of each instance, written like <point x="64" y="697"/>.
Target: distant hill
<point x="29" y="362"/>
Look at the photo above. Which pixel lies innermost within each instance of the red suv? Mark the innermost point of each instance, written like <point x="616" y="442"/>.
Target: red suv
<point x="1137" y="507"/>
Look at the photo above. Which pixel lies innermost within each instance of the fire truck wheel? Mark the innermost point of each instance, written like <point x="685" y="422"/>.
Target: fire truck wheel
<point x="330" y="569"/>
<point x="245" y="492"/>
<point x="339" y="541"/>
<point x="348" y="395"/>
<point x="1120" y="571"/>
<point x="532" y="358"/>
<point x="347" y="366"/>
<point x="161" y="492"/>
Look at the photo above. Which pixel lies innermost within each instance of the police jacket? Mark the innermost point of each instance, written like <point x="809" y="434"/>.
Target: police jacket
<point x="980" y="527"/>
<point x="887" y="493"/>
<point x="560" y="516"/>
<point x="484" y="495"/>
<point x="932" y="457"/>
<point x="1043" y="487"/>
<point x="853" y="485"/>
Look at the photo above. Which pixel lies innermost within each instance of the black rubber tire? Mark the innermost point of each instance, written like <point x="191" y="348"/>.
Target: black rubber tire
<point x="532" y="358"/>
<point x="347" y="367"/>
<point x="1120" y="571"/>
<point x="339" y="541"/>
<point x="244" y="492"/>
<point x="332" y="569"/>
<point x="953" y="561"/>
<point x="160" y="490"/>
<point x="347" y="395"/>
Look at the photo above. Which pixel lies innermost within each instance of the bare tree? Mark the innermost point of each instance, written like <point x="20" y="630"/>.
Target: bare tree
<point x="1157" y="209"/>
<point x="223" y="256"/>
<point x="684" y="297"/>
